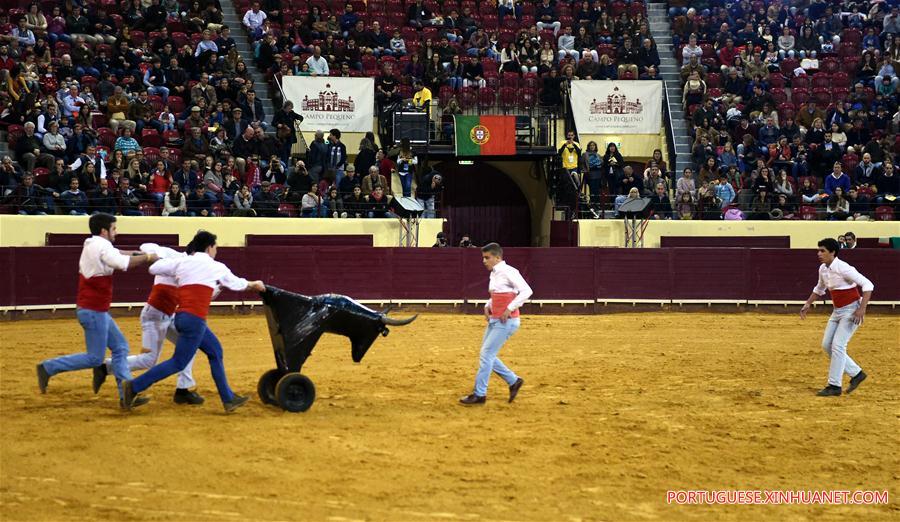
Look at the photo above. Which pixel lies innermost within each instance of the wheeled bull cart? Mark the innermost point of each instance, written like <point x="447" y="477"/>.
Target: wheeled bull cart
<point x="296" y="322"/>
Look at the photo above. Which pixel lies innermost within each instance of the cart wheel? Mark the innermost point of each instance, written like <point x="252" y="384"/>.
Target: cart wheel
<point x="266" y="387"/>
<point x="295" y="392"/>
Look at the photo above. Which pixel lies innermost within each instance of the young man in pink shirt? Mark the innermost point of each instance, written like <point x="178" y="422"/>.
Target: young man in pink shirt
<point x="508" y="291"/>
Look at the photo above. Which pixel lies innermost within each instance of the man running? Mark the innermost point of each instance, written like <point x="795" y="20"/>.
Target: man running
<point x="99" y="259"/>
<point x="844" y="282"/>
<point x="156" y="326"/>
<point x="199" y="278"/>
<point x="508" y="291"/>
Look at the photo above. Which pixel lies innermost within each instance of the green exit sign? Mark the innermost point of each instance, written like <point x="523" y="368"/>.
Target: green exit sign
<point x="466" y="162"/>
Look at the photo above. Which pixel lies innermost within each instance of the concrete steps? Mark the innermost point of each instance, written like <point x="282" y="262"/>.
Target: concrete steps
<point x="232" y="19"/>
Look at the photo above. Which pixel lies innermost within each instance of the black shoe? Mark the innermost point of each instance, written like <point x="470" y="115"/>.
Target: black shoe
<point x="236" y="402"/>
<point x="43" y="378"/>
<point x="100" y="373"/>
<point x="856" y="380"/>
<point x="185" y="396"/>
<point x="829" y="391"/>
<point x="128" y="396"/>
<point x="514" y="388"/>
<point x="138" y="401"/>
<point x="473" y="399"/>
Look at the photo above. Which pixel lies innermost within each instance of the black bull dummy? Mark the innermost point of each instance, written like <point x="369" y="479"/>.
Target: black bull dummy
<point x="296" y="322"/>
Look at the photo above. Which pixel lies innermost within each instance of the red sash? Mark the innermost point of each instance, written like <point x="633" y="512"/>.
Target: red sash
<point x="500" y="302"/>
<point x="195" y="299"/>
<point x="94" y="293"/>
<point x="841" y="298"/>
<point x="164" y="298"/>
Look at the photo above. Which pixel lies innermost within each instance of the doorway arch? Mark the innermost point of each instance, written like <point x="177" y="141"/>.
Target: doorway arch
<point x="485" y="203"/>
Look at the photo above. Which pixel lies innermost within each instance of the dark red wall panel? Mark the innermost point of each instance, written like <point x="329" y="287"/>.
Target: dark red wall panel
<point x="726" y="241"/>
<point x="621" y="273"/>
<point x="48" y="275"/>
<point x="698" y="271"/>
<point x="309" y="240"/>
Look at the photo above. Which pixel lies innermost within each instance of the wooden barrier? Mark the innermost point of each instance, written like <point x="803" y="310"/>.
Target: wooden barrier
<point x="48" y="275"/>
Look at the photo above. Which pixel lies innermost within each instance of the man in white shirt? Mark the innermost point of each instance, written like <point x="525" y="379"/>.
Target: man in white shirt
<point x="72" y="103"/>
<point x="254" y="18"/>
<point x="508" y="291"/>
<point x="99" y="260"/>
<point x="845" y="284"/>
<point x="318" y="65"/>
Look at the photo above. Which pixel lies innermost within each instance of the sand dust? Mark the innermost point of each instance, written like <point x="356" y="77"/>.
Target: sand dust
<point x="616" y="410"/>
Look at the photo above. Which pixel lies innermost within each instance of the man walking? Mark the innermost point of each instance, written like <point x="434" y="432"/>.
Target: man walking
<point x="99" y="259"/>
<point x="508" y="291"/>
<point x="845" y="283"/>
<point x="156" y="326"/>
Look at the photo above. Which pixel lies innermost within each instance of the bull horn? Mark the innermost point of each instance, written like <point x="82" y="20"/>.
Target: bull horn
<point x="390" y="321"/>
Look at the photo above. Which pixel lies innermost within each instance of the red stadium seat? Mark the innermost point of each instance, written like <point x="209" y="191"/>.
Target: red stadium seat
<point x="808" y="213"/>
<point x="41" y="176"/>
<point x="148" y="209"/>
<point x="884" y="213"/>
<point x="218" y="209"/>
<point x="13" y="134"/>
<point x="151" y="138"/>
<point x="287" y="210"/>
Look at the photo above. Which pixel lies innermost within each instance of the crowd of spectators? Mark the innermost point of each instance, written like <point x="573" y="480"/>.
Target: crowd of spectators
<point x="126" y="113"/>
<point x="507" y="53"/>
<point x="793" y="107"/>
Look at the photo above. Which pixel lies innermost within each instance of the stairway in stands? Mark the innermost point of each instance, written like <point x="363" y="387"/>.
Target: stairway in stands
<point x="232" y="19"/>
<point x="661" y="29"/>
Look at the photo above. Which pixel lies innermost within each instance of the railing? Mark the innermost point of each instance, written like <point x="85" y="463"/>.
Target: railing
<point x="670" y="132"/>
<point x="535" y="126"/>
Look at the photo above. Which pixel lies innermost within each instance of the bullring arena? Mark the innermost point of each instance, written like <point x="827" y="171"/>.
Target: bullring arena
<point x="626" y="401"/>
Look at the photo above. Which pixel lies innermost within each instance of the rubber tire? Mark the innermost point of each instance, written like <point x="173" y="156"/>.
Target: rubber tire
<point x="266" y="387"/>
<point x="295" y="393"/>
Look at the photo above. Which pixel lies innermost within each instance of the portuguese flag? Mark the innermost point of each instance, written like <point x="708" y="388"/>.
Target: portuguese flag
<point x="485" y="135"/>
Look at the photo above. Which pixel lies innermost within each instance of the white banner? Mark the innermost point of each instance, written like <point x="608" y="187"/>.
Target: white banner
<point x="617" y="107"/>
<point x="346" y="104"/>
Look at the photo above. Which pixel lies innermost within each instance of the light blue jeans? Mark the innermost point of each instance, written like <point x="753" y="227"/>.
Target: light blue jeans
<point x="495" y="335"/>
<point x="100" y="332"/>
<point x="838" y="332"/>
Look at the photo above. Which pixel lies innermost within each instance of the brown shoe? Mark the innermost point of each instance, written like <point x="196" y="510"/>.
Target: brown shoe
<point x="472" y="399"/>
<point x="514" y="388"/>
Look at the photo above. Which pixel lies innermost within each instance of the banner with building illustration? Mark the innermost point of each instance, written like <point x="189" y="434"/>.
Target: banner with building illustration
<point x="346" y="104"/>
<point x="617" y="107"/>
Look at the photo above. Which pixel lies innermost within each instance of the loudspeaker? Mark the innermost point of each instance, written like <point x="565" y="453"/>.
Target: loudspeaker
<point x="412" y="125"/>
<point x="406" y="207"/>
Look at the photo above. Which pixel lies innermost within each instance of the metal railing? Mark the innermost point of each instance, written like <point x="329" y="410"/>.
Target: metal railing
<point x="670" y="131"/>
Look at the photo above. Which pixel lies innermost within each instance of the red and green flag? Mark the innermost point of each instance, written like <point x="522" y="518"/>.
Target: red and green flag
<point x="485" y="135"/>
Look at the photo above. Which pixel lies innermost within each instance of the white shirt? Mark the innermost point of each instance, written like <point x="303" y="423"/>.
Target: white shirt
<point x="72" y="104"/>
<point x="254" y="20"/>
<point x="506" y="279"/>
<point x="841" y="276"/>
<point x="199" y="269"/>
<point x="100" y="258"/>
<point x="162" y="253"/>
<point x="319" y="66"/>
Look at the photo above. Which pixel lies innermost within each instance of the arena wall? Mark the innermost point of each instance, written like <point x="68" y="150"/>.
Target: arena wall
<point x="803" y="234"/>
<point x="30" y="231"/>
<point x="47" y="275"/>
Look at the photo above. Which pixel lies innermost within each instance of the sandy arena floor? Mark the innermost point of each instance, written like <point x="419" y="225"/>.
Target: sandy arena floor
<point x="616" y="410"/>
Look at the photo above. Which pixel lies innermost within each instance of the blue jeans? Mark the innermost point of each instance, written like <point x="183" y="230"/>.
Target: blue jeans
<point x="495" y="335"/>
<point x="406" y="184"/>
<point x="192" y="334"/>
<point x="100" y="332"/>
<point x="838" y="332"/>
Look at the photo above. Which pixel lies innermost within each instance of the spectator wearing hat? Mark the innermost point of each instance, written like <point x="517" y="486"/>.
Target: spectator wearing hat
<point x="235" y="124"/>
